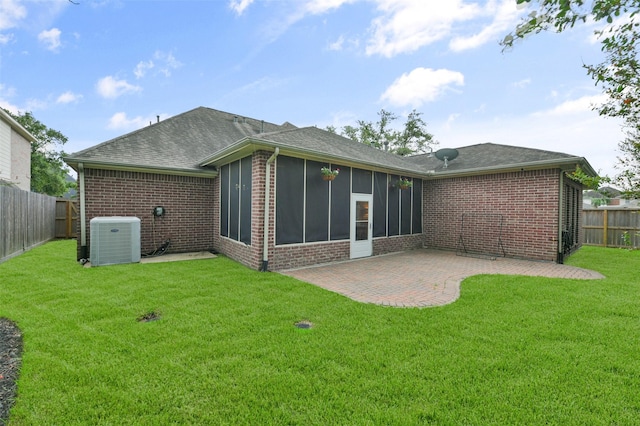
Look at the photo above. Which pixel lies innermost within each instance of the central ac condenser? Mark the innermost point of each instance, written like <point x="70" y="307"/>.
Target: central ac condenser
<point x="114" y="240"/>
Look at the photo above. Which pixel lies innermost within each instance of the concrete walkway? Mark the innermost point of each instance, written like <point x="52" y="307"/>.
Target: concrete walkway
<point x="421" y="278"/>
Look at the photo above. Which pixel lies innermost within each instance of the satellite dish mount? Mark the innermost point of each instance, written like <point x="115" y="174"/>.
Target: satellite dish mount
<point x="446" y="154"/>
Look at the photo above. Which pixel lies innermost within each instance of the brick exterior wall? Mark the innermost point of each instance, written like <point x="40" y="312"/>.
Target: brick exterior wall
<point x="248" y="254"/>
<point x="527" y="200"/>
<point x="189" y="203"/>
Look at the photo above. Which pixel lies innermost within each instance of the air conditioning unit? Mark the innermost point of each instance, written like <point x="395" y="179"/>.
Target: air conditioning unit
<point x="114" y="240"/>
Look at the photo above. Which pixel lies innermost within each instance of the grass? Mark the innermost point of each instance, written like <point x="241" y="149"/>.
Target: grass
<point x="511" y="350"/>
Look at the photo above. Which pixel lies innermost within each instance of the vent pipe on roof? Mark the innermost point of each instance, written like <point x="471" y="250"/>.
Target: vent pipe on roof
<point x="158" y="118"/>
<point x="235" y="118"/>
<point x="262" y="126"/>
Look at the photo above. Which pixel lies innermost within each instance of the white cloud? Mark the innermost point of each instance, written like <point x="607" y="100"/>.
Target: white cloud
<point x="142" y="68"/>
<point x="505" y="17"/>
<point x="318" y="7"/>
<point x="407" y="25"/>
<point x="11" y="12"/>
<point x="522" y="83"/>
<point x="239" y="6"/>
<point x="163" y="62"/>
<point x="337" y="45"/>
<point x="68" y="97"/>
<point x="574" y="106"/>
<point x="303" y="8"/>
<point x="119" y="121"/>
<point x="420" y="86"/>
<point x="6" y="38"/>
<point x="110" y="88"/>
<point x="167" y="62"/>
<point x="584" y="133"/>
<point x="51" y="39"/>
<point x="5" y="93"/>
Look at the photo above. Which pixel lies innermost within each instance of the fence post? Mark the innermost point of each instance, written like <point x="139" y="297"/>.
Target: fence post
<point x="69" y="219"/>
<point x="604" y="227"/>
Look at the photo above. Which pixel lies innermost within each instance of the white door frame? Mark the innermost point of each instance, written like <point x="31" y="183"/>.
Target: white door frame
<point x="362" y="227"/>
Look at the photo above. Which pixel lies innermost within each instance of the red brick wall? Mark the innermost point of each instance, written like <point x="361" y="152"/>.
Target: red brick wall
<point x="248" y="254"/>
<point x="189" y="202"/>
<point x="528" y="202"/>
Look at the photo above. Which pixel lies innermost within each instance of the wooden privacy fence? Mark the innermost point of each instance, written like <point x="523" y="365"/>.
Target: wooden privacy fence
<point x="611" y="227"/>
<point x="26" y="220"/>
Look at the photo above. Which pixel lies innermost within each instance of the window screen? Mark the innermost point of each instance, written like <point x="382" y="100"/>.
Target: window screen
<point x="380" y="204"/>
<point x="317" y="206"/>
<point x="340" y="200"/>
<point x="394" y="206"/>
<point x="224" y="200"/>
<point x="290" y="200"/>
<point x="245" y="200"/>
<point x="234" y="199"/>
<point x="361" y="181"/>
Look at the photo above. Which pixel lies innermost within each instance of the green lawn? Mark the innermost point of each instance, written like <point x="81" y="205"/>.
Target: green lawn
<point x="511" y="350"/>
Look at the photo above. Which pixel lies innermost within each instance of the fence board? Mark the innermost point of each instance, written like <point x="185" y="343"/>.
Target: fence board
<point x="611" y="227"/>
<point x="66" y="218"/>
<point x="26" y="220"/>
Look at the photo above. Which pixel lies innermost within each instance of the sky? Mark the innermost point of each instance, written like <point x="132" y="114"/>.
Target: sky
<point x="97" y="69"/>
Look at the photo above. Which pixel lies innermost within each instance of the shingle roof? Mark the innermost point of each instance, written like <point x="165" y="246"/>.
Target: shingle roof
<point x="179" y="142"/>
<point x="317" y="143"/>
<point x="494" y="156"/>
<point x="193" y="140"/>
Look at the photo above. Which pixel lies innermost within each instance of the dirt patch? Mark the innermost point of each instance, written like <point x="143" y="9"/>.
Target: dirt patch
<point x="149" y="316"/>
<point x="10" y="357"/>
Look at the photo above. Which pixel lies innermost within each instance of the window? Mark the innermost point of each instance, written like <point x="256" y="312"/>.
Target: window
<point x="235" y="200"/>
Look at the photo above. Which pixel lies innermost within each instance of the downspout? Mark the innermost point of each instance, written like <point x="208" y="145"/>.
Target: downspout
<point x="83" y="214"/>
<point x="560" y="255"/>
<point x="267" y="197"/>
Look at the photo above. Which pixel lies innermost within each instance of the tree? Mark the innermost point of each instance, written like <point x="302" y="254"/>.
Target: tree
<point x="618" y="74"/>
<point x="412" y="139"/>
<point x="48" y="172"/>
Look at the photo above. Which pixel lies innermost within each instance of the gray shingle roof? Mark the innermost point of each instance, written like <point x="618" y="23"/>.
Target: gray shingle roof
<point x="315" y="142"/>
<point x="494" y="156"/>
<point x="193" y="140"/>
<point x="179" y="142"/>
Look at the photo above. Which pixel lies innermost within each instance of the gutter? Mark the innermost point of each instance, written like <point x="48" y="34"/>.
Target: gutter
<point x="141" y="169"/>
<point x="265" y="230"/>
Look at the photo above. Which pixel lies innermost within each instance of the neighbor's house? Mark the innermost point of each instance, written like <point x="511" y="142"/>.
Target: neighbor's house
<point x="15" y="153"/>
<point x="253" y="191"/>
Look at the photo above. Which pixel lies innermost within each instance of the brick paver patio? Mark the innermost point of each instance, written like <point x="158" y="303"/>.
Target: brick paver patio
<point x="421" y="278"/>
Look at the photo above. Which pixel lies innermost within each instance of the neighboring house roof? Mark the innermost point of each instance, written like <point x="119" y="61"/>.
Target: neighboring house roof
<point x="191" y="142"/>
<point x="17" y="127"/>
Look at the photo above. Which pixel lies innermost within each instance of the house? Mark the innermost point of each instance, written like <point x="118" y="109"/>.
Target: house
<point x="253" y="191"/>
<point x="15" y="153"/>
